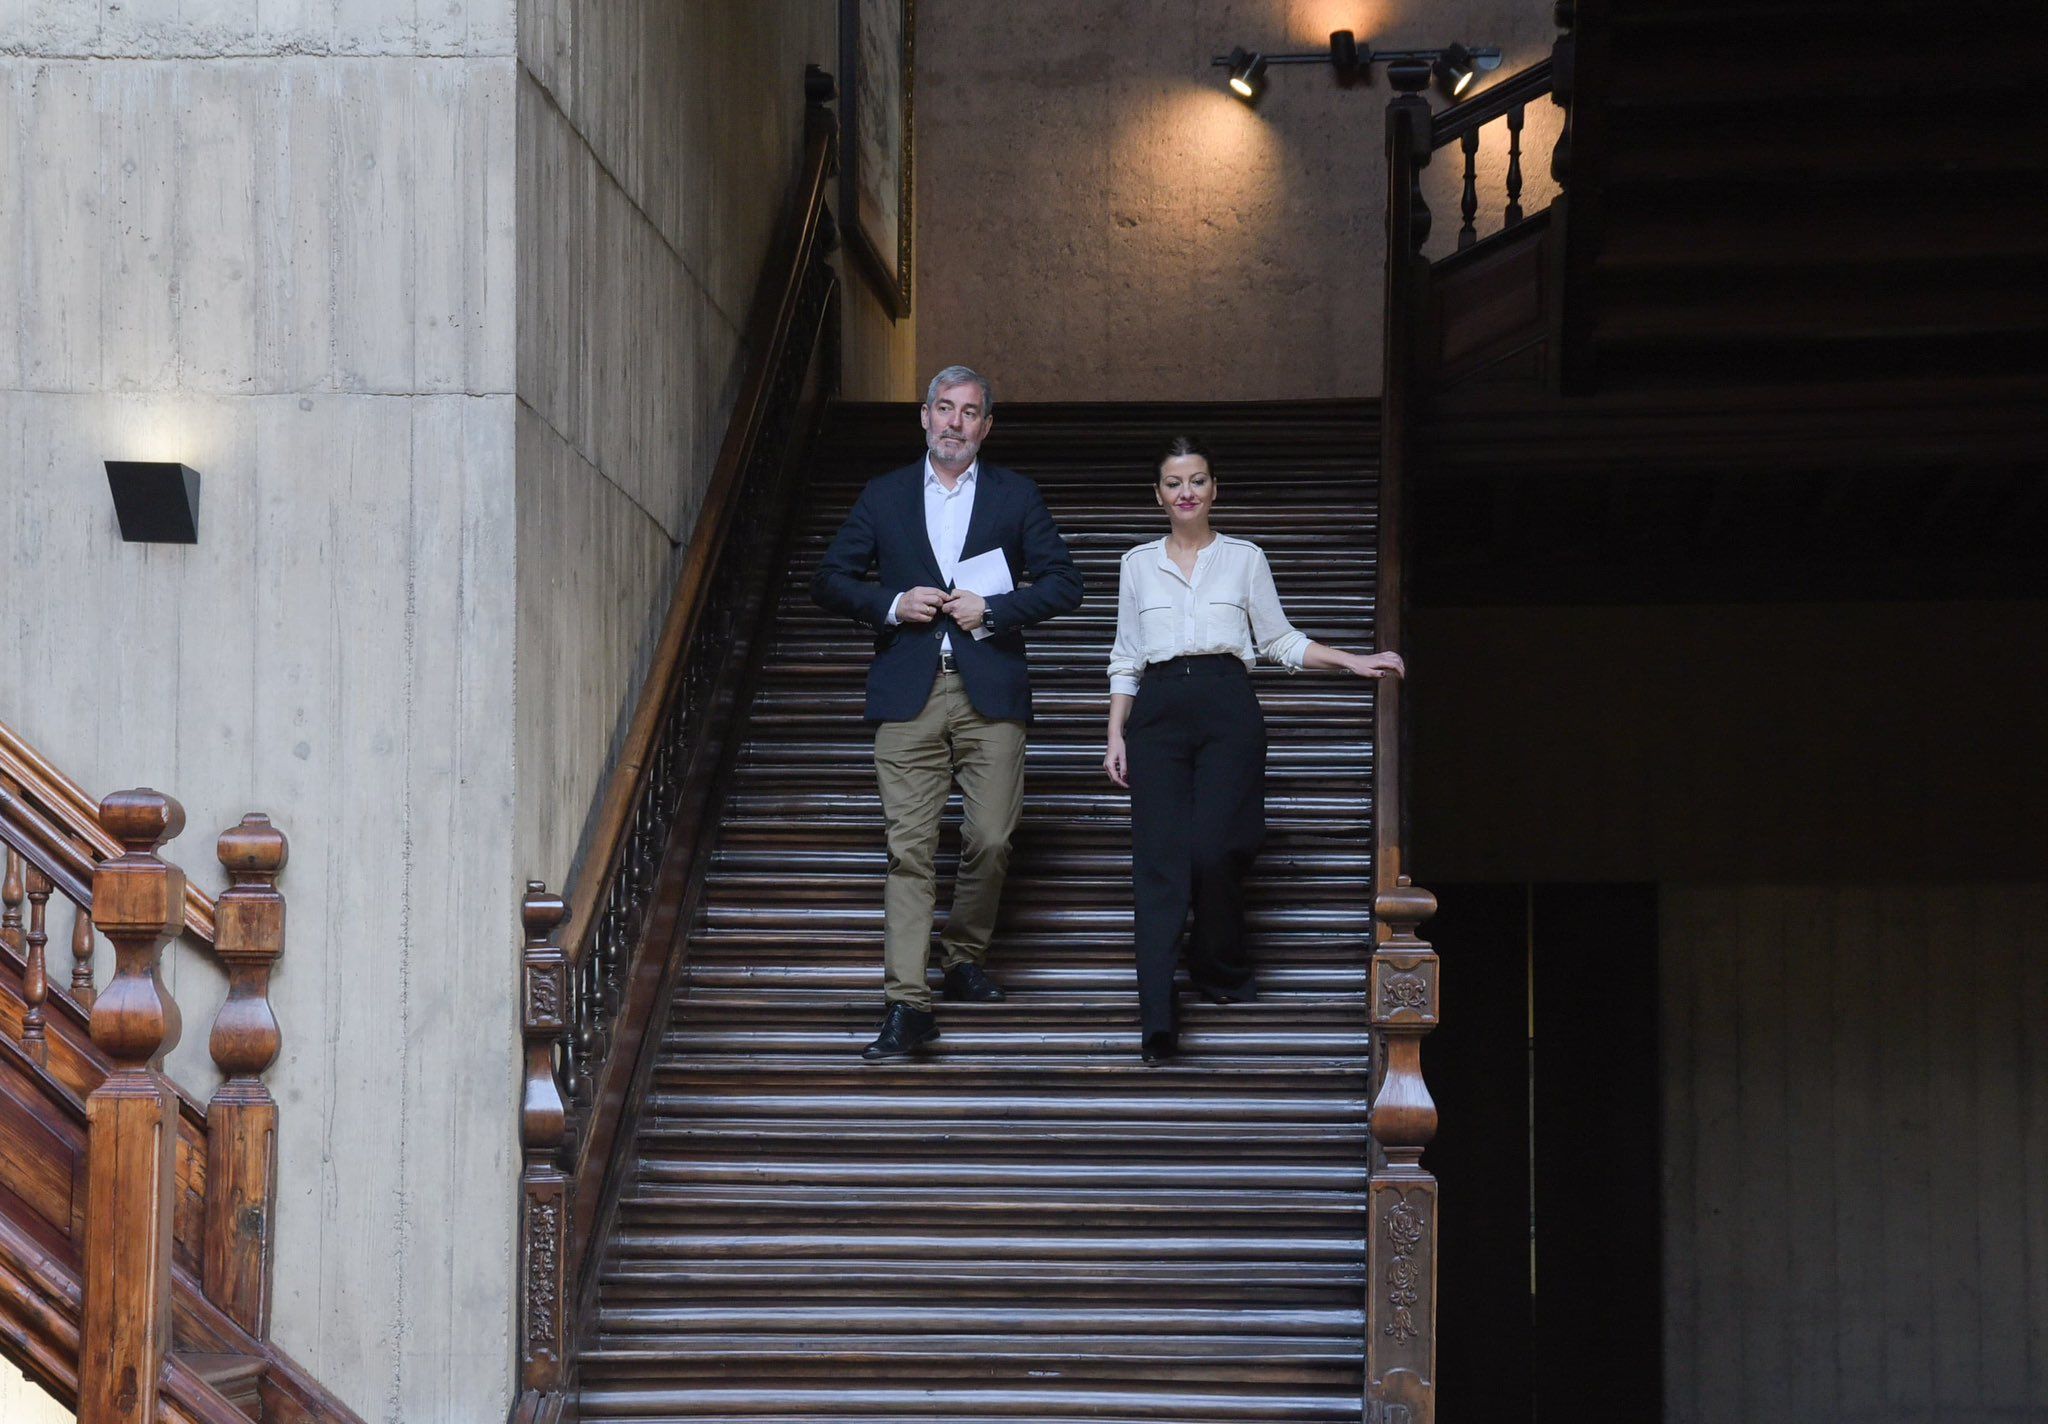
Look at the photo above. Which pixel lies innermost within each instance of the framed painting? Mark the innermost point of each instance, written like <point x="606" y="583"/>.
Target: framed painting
<point x="876" y="49"/>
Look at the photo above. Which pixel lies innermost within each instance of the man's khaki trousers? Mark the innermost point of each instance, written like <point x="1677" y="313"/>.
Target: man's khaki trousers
<point x="916" y="763"/>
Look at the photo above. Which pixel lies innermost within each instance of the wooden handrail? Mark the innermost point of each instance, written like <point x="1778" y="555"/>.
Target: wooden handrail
<point x="1400" y="1328"/>
<point x="60" y="802"/>
<point x="1403" y="994"/>
<point x="629" y="774"/>
<point x="1524" y="86"/>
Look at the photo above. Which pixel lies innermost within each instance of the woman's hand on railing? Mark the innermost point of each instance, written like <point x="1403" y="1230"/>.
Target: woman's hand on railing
<point x="1375" y="664"/>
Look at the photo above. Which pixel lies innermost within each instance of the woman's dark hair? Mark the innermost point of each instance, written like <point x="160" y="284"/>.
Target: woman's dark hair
<point x="1178" y="446"/>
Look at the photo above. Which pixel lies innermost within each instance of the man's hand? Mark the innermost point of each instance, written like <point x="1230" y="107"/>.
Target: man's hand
<point x="967" y="608"/>
<point x="920" y="604"/>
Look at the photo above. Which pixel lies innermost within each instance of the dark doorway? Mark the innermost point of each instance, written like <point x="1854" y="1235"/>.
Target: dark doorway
<point x="1549" y="1109"/>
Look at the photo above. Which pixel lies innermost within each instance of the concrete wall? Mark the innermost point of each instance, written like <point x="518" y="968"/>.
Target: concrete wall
<point x="25" y="1403"/>
<point x="275" y="242"/>
<point x="1099" y="220"/>
<point x="1855" y="1131"/>
<point x="658" y="147"/>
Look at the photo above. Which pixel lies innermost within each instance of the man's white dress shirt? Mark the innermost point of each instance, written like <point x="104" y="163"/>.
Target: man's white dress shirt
<point x="946" y="512"/>
<point x="1229" y="605"/>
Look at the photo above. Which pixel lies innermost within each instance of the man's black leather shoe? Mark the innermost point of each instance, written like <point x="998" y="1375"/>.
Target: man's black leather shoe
<point x="904" y="1031"/>
<point x="1244" y="993"/>
<point x="970" y="982"/>
<point x="1159" y="1047"/>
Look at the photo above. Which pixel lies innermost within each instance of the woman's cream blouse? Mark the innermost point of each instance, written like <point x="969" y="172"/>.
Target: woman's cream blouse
<point x="1229" y="606"/>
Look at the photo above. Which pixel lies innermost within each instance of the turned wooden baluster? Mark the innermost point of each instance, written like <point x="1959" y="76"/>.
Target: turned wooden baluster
<point x="81" y="955"/>
<point x="138" y="902"/>
<point x="35" y="978"/>
<point x="241" y="1121"/>
<point x="1514" y="212"/>
<point x="1469" y="203"/>
<point x="543" y="1124"/>
<point x="10" y="903"/>
<point x="1401" y="1251"/>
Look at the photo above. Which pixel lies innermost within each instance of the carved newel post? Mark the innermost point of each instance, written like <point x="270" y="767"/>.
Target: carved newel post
<point x="1401" y="1341"/>
<point x="543" y="1121"/>
<point x="241" y="1121"/>
<point x="138" y="903"/>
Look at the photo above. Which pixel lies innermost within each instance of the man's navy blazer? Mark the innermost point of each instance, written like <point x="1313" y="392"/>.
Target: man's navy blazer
<point x="885" y="532"/>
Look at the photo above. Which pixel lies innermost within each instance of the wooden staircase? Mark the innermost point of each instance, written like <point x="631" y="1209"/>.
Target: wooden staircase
<point x="1027" y="1224"/>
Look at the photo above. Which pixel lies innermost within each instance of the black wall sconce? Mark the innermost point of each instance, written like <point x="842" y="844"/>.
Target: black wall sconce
<point x="157" y="501"/>
<point x="1455" y="66"/>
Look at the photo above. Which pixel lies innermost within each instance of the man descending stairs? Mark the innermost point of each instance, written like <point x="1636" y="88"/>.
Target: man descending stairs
<point x="1026" y="1223"/>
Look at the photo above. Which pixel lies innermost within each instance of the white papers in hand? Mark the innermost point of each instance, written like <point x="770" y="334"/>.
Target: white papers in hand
<point x="987" y="574"/>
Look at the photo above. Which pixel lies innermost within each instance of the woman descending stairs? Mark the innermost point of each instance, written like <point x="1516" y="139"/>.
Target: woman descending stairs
<point x="1026" y="1222"/>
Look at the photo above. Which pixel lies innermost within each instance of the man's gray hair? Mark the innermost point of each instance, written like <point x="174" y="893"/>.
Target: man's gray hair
<point x="955" y="375"/>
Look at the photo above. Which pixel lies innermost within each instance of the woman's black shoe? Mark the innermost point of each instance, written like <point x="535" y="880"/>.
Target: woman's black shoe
<point x="1159" y="1047"/>
<point x="904" y="1031"/>
<point x="1243" y="993"/>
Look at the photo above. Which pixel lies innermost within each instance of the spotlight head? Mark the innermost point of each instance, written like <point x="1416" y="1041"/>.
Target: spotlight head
<point x="1455" y="69"/>
<point x="1408" y="76"/>
<point x="1247" y="75"/>
<point x="1344" y="55"/>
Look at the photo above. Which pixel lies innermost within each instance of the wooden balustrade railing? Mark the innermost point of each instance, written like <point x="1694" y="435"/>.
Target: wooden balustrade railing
<point x="133" y="1111"/>
<point x="1400" y="1317"/>
<point x="1506" y="102"/>
<point x="597" y="969"/>
<point x="1401" y="1299"/>
<point x="60" y="813"/>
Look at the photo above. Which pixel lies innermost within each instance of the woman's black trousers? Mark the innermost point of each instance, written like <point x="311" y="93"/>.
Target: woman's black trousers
<point x="1196" y="742"/>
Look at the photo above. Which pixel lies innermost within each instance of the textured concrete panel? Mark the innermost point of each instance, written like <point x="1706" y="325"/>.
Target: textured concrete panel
<point x="657" y="146"/>
<point x="594" y="576"/>
<point x="250" y="226"/>
<point x="1099" y="220"/>
<point x="214" y="29"/>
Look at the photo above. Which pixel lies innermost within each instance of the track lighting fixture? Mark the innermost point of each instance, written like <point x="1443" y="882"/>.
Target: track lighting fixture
<point x="1455" y="66"/>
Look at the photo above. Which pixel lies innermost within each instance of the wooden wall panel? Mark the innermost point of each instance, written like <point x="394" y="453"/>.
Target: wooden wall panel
<point x="1856" y="1153"/>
